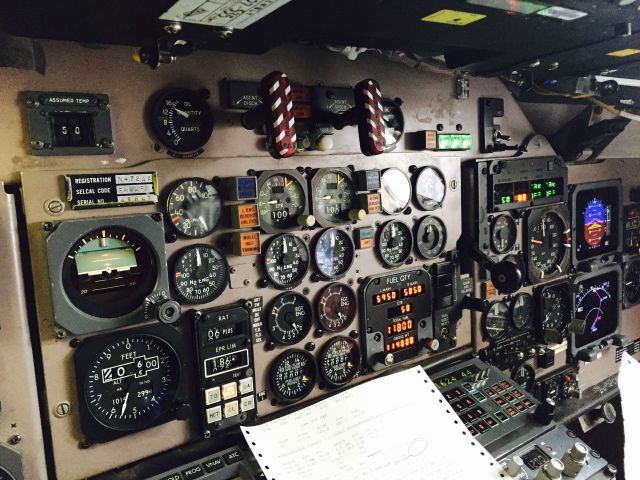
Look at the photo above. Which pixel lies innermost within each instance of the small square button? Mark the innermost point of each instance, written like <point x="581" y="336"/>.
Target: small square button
<point x="213" y="464"/>
<point x="497" y="388"/>
<point x="527" y="403"/>
<point x="490" y="421"/>
<point x="489" y="392"/>
<point x="520" y="407"/>
<point x="508" y="397"/>
<point x="469" y="417"/>
<point x="231" y="409"/>
<point x="473" y="431"/>
<point x="505" y="384"/>
<point x="468" y="402"/>
<point x="468" y="386"/>
<point x="214" y="414"/>
<point x="229" y="390"/>
<point x="479" y="411"/>
<point x="212" y="395"/>
<point x="245" y="385"/>
<point x="449" y="396"/>
<point x="501" y="402"/>
<point x="501" y="416"/>
<point x="481" y="426"/>
<point x="247" y="403"/>
<point x="458" y="406"/>
<point x="511" y="411"/>
<point x="516" y="393"/>
<point x="479" y="396"/>
<point x="457" y="392"/>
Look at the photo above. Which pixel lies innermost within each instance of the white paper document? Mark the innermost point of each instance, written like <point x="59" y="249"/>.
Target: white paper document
<point x="629" y="383"/>
<point x="397" y="427"/>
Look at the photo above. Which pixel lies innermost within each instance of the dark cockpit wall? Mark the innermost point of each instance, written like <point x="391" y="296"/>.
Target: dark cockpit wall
<point x="219" y="213"/>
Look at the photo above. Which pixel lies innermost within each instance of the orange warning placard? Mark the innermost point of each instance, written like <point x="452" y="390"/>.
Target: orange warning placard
<point x="247" y="243"/>
<point x="371" y="202"/>
<point x="245" y="216"/>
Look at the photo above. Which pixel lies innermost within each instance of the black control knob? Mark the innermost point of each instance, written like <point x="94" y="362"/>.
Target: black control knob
<point x="587" y="355"/>
<point x="544" y="413"/>
<point x="610" y="471"/>
<point x="507" y="276"/>
<point x="182" y="410"/>
<point x="605" y="412"/>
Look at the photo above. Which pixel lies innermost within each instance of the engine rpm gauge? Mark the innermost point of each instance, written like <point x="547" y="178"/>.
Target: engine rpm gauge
<point x="339" y="361"/>
<point x="289" y="318"/>
<point x="194" y="207"/>
<point x="496" y="320"/>
<point x="293" y="375"/>
<point x="548" y="244"/>
<point x="333" y="253"/>
<point x="395" y="242"/>
<point x="429" y="189"/>
<point x="336" y="307"/>
<point x="200" y="274"/>
<point x="522" y="312"/>
<point x="431" y="236"/>
<point x="503" y="234"/>
<point x="393" y="120"/>
<point x="281" y="199"/>
<point x="286" y="261"/>
<point x="395" y="191"/>
<point x="182" y="121"/>
<point x="333" y="196"/>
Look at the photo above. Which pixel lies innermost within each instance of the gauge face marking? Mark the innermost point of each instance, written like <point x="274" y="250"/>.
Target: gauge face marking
<point x="200" y="274"/>
<point x="289" y="318"/>
<point x="503" y="234"/>
<point x="431" y="237"/>
<point x="286" y="260"/>
<point x="393" y="120"/>
<point x="632" y="282"/>
<point x="395" y="191"/>
<point x="333" y="196"/>
<point x="281" y="199"/>
<point x="548" y="246"/>
<point x="109" y="272"/>
<point x="339" y="361"/>
<point x="395" y="242"/>
<point x="495" y="320"/>
<point x="556" y="311"/>
<point x="524" y="375"/>
<point x="522" y="311"/>
<point x="194" y="207"/>
<point x="131" y="382"/>
<point x="182" y="121"/>
<point x="293" y="375"/>
<point x="333" y="253"/>
<point x="336" y="307"/>
<point x="430" y="189"/>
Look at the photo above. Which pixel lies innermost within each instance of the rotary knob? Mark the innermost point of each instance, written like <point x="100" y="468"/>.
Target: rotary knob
<point x="574" y="459"/>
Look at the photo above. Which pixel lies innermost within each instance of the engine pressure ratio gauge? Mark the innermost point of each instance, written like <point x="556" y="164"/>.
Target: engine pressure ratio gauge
<point x="282" y="198"/>
<point x="333" y="196"/>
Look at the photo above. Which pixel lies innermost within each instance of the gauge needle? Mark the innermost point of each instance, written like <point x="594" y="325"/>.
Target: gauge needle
<point x="198" y="258"/>
<point x="537" y="242"/>
<point x="272" y="202"/>
<point x="327" y="197"/>
<point x="181" y="112"/>
<point x="124" y="404"/>
<point x="203" y="222"/>
<point x="284" y="247"/>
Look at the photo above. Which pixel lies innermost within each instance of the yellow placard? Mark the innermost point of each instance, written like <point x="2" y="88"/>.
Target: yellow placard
<point x="453" y="17"/>
<point x="624" y="53"/>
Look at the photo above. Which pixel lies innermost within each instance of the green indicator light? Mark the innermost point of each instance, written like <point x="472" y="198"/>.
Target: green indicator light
<point x="454" y="141"/>
<point x="505" y="199"/>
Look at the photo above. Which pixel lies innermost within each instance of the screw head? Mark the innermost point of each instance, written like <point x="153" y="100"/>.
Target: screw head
<point x="15" y="440"/>
<point x="172" y="28"/>
<point x="54" y="206"/>
<point x="62" y="409"/>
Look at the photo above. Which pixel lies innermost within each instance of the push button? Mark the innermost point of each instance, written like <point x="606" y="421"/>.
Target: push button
<point x="247" y="403"/>
<point x="491" y="422"/>
<point x="212" y="395"/>
<point x="505" y="384"/>
<point x="468" y="402"/>
<point x="230" y="409"/>
<point x="458" y="406"/>
<point x="473" y="431"/>
<point x="229" y="391"/>
<point x="511" y="411"/>
<point x="213" y="464"/>
<point x="246" y="385"/>
<point x="527" y="403"/>
<point x="214" y="414"/>
<point x="173" y="476"/>
<point x="195" y="471"/>
<point x="233" y="456"/>
<point x="501" y="416"/>
<point x="508" y="397"/>
<point x="520" y="407"/>
<point x="501" y="402"/>
<point x="497" y="388"/>
<point x="479" y="411"/>
<point x="479" y="397"/>
<point x="489" y="392"/>
<point x="481" y="426"/>
<point x="516" y="393"/>
<point x="468" y="417"/>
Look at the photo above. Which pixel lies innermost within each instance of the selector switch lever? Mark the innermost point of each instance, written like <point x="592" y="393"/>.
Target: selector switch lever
<point x="275" y="114"/>
<point x="544" y="413"/>
<point x="506" y="275"/>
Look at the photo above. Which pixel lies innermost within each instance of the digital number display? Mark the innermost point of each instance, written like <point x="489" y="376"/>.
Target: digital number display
<point x="225" y="363"/>
<point x="400" y="344"/>
<point x="458" y="375"/>
<point x="277" y="189"/>
<point x="523" y="192"/>
<point x="385" y="297"/>
<point x="400" y="327"/>
<point x="399" y="310"/>
<point x="413" y="290"/>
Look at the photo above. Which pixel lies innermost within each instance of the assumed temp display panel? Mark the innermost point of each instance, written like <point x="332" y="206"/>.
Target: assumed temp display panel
<point x="597" y="219"/>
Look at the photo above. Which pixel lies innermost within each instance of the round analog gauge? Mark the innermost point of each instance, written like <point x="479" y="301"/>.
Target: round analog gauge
<point x="5" y="474"/>
<point x="503" y="234"/>
<point x="430" y="189"/>
<point x="293" y="375"/>
<point x="431" y="236"/>
<point x="182" y="121"/>
<point x="281" y="199"/>
<point x="496" y="320"/>
<point x="333" y="196"/>
<point x="336" y="307"/>
<point x="194" y="207"/>
<point x="524" y="375"/>
<point x="289" y="318"/>
<point x="109" y="272"/>
<point x="200" y="274"/>
<point x="393" y="120"/>
<point x="632" y="283"/>
<point x="286" y="261"/>
<point x="395" y="191"/>
<point x="547" y="246"/>
<point x="522" y="311"/>
<point x="339" y="361"/>
<point x="395" y="242"/>
<point x="131" y="381"/>
<point x="333" y="253"/>
<point x="556" y="313"/>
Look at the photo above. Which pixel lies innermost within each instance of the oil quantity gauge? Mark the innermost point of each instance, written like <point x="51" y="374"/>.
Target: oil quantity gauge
<point x="431" y="236"/>
<point x="286" y="261"/>
<point x="430" y="189"/>
<point x="503" y="234"/>
<point x="339" y="361"/>
<point x="194" y="207"/>
<point x="282" y="198"/>
<point x="496" y="320"/>
<point x="333" y="196"/>
<point x="333" y="253"/>
<point x="395" y="242"/>
<point x="289" y="318"/>
<point x="336" y="307"/>
<point x="293" y="375"/>
<point x="182" y="122"/>
<point x="200" y="274"/>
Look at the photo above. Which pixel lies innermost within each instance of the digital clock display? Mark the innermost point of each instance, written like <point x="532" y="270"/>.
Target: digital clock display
<point x="413" y="290"/>
<point x="399" y="310"/>
<point x="385" y="297"/>
<point x="524" y="192"/>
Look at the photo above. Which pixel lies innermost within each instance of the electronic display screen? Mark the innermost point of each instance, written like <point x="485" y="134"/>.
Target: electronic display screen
<point x="385" y="297"/>
<point x="596" y="302"/>
<point x="277" y="189"/>
<point x="397" y="328"/>
<point x="465" y="373"/>
<point x="596" y="217"/>
<point x="393" y="345"/>
<point x="413" y="290"/>
<point x="524" y="192"/>
<point x="225" y="363"/>
<point x="399" y="310"/>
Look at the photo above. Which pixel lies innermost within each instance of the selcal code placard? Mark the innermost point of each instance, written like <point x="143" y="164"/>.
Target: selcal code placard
<point x="101" y="190"/>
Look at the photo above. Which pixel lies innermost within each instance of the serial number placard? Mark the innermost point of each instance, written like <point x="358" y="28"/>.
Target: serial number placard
<point x="103" y="190"/>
